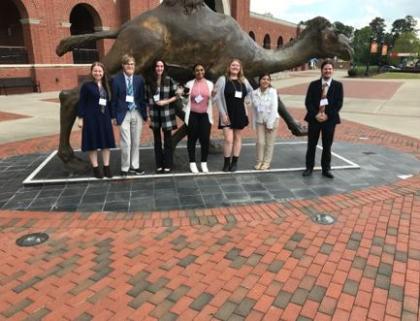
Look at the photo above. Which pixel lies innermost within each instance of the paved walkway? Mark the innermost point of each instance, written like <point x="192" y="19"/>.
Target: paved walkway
<point x="265" y="261"/>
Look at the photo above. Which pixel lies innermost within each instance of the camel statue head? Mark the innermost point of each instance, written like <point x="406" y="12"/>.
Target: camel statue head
<point x="330" y="43"/>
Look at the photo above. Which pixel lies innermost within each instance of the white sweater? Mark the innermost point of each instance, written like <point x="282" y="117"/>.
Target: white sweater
<point x="265" y="107"/>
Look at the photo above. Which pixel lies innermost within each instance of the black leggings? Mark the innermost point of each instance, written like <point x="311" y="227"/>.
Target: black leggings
<point x="198" y="129"/>
<point x="163" y="157"/>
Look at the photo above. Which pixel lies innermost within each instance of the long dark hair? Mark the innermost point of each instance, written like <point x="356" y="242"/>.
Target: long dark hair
<point x="262" y="76"/>
<point x="151" y="77"/>
<point x="104" y="80"/>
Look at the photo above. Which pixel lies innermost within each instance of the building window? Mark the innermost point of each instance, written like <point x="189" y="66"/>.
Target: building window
<point x="12" y="46"/>
<point x="83" y="19"/>
<point x="267" y="42"/>
<point x="280" y="42"/>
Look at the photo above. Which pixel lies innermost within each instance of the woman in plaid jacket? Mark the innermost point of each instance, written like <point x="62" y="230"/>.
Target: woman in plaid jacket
<point x="161" y="94"/>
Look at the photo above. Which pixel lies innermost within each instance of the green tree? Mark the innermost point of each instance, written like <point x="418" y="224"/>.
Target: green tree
<point x="407" y="42"/>
<point x="361" y="45"/>
<point x="399" y="26"/>
<point x="378" y="27"/>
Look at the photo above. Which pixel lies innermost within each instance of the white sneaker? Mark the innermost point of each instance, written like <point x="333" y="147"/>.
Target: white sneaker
<point x="204" y="167"/>
<point x="193" y="168"/>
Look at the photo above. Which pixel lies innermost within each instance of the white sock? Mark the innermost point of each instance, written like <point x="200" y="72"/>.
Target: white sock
<point x="193" y="168"/>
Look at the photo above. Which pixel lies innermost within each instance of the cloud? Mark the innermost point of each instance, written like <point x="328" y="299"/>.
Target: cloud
<point x="356" y="13"/>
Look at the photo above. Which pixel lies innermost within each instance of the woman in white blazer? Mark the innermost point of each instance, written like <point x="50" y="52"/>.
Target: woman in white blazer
<point x="199" y="117"/>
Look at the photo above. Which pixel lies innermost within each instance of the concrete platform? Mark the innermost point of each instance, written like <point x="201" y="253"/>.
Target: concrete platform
<point x="52" y="189"/>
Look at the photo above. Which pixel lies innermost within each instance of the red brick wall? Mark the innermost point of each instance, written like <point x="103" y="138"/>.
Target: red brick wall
<point x="50" y="24"/>
<point x="52" y="78"/>
<point x="261" y="27"/>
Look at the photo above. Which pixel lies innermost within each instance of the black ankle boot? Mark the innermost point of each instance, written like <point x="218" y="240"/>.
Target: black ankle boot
<point x="234" y="165"/>
<point x="97" y="172"/>
<point x="226" y="165"/>
<point x="107" y="171"/>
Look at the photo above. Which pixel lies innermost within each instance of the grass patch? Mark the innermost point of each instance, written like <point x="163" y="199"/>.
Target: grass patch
<point x="397" y="75"/>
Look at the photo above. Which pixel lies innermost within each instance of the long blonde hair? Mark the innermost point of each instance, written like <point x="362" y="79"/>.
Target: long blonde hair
<point x="241" y="76"/>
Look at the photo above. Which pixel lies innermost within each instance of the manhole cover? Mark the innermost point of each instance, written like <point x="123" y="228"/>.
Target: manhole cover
<point x="32" y="239"/>
<point x="323" y="218"/>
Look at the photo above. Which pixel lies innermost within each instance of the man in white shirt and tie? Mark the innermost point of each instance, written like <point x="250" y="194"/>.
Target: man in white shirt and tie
<point x="129" y="108"/>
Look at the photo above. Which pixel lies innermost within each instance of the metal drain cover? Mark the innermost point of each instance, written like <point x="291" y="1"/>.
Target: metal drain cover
<point x="32" y="239"/>
<point x="323" y="218"/>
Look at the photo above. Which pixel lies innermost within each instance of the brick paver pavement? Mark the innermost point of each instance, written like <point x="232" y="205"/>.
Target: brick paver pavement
<point x="259" y="262"/>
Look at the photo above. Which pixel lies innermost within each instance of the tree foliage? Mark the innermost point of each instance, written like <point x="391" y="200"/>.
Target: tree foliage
<point x="399" y="26"/>
<point x="378" y="27"/>
<point x="407" y="42"/>
<point x="361" y="45"/>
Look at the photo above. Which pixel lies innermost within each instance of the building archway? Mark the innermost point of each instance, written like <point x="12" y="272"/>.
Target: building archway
<point x="12" y="40"/>
<point x="252" y="35"/>
<point x="280" y="42"/>
<point x="84" y="19"/>
<point x="267" y="41"/>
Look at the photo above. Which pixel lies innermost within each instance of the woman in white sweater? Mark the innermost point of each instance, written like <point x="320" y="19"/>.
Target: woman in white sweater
<point x="266" y="121"/>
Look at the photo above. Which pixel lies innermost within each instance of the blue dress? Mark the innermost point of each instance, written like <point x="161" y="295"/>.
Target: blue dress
<point x="97" y="132"/>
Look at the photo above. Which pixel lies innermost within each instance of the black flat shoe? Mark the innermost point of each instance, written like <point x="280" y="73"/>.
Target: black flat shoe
<point x="123" y="174"/>
<point x="327" y="174"/>
<point x="136" y="171"/>
<point x="307" y="172"/>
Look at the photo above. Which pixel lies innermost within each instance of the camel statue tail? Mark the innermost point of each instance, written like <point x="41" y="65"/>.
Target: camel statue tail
<point x="71" y="42"/>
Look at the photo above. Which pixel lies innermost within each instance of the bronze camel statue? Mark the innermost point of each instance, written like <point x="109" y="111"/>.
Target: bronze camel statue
<point x="184" y="32"/>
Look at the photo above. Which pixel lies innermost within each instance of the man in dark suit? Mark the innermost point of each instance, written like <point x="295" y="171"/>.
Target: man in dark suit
<point x="324" y="100"/>
<point x="129" y="107"/>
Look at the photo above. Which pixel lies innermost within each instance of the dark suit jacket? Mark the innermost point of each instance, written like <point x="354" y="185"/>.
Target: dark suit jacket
<point x="119" y="92"/>
<point x="335" y="101"/>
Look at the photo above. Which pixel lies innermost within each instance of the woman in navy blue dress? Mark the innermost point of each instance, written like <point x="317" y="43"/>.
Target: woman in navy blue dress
<point x="95" y="119"/>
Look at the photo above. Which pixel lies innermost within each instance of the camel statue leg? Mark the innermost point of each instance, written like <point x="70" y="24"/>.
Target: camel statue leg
<point x="68" y="108"/>
<point x="294" y="126"/>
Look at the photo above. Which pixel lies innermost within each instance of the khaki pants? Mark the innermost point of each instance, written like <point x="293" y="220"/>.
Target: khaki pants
<point x="130" y="140"/>
<point x="265" y="143"/>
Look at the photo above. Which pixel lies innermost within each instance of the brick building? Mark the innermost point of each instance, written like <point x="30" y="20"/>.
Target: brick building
<point x="31" y="29"/>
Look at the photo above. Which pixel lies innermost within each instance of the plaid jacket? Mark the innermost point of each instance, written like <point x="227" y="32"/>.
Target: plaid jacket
<point x="162" y="116"/>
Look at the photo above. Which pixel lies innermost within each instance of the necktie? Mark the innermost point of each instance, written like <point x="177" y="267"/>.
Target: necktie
<point x="130" y="92"/>
<point x="324" y="90"/>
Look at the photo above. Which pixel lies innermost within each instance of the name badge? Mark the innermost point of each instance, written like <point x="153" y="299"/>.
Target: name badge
<point x="156" y="98"/>
<point x="102" y="101"/>
<point x="198" y="99"/>
<point x="129" y="99"/>
<point x="238" y="94"/>
<point x="323" y="102"/>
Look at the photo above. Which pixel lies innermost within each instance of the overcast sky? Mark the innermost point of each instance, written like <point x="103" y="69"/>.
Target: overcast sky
<point x="356" y="13"/>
